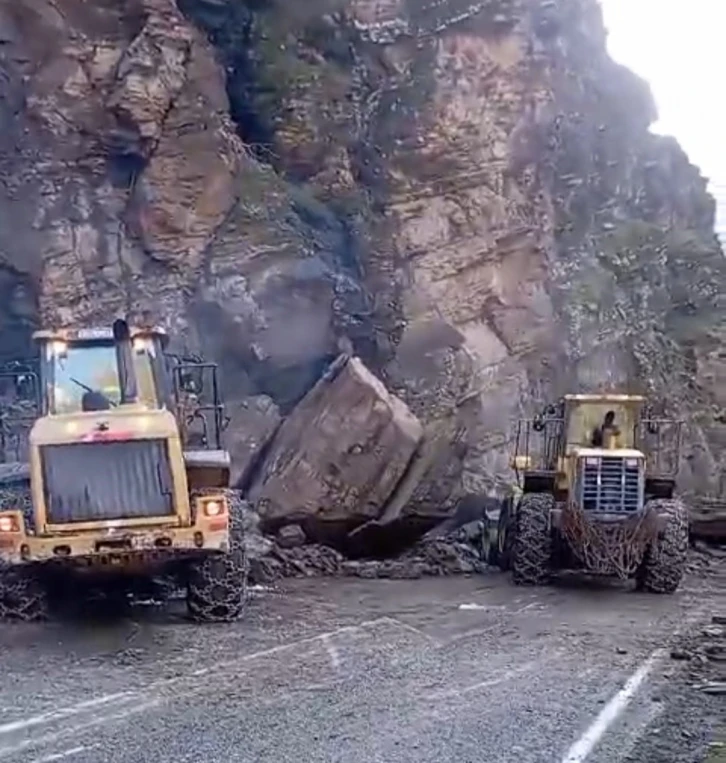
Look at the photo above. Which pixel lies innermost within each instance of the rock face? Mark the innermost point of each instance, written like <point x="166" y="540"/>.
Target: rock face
<point x="465" y="194"/>
<point x="339" y="456"/>
<point x="253" y="423"/>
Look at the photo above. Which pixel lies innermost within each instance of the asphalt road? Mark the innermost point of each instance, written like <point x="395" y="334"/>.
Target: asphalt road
<point x="457" y="669"/>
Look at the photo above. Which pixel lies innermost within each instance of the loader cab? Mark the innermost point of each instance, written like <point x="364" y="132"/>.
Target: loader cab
<point x="603" y="421"/>
<point x="90" y="370"/>
<point x="83" y="371"/>
<point x="604" y="472"/>
<point x="589" y="440"/>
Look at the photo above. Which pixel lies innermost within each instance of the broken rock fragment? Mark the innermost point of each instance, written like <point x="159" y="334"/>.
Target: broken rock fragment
<point x="291" y="536"/>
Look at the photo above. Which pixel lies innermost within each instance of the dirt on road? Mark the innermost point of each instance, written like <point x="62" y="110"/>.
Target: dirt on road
<point x="449" y="669"/>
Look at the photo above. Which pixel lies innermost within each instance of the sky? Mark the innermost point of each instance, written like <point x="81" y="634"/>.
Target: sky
<point x="678" y="47"/>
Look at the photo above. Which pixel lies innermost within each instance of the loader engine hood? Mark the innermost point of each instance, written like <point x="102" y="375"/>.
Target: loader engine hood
<point x="98" y="467"/>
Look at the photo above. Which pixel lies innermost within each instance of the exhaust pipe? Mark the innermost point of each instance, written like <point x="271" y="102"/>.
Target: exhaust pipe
<point x="125" y="361"/>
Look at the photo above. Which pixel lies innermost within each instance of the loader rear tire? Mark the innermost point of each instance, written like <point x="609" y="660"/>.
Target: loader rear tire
<point x="217" y="584"/>
<point x="23" y="596"/>
<point x="532" y="543"/>
<point x="664" y="563"/>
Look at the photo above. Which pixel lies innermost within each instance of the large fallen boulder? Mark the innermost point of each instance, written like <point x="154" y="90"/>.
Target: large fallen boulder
<point x="338" y="457"/>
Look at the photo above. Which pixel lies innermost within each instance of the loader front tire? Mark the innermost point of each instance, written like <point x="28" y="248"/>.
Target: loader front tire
<point x="664" y="563"/>
<point x="532" y="543"/>
<point x="217" y="583"/>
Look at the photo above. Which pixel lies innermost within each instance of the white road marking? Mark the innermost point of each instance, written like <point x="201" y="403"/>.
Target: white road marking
<point x="145" y="699"/>
<point x="406" y="627"/>
<point x="333" y="652"/>
<point x="580" y="751"/>
<point x="63" y="755"/>
<point x="506" y="676"/>
<point x="101" y="720"/>
<point x="276" y="650"/>
<point x="64" y="712"/>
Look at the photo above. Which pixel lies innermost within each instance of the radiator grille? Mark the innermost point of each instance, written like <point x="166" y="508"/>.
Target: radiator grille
<point x="87" y="482"/>
<point x="612" y="485"/>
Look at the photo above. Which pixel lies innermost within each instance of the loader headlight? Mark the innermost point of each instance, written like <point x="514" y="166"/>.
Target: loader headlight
<point x="58" y="348"/>
<point x="632" y="463"/>
<point x="213" y="507"/>
<point x="9" y="524"/>
<point x="592" y="461"/>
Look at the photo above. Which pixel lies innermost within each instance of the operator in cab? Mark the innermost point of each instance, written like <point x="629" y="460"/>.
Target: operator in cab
<point x="93" y="400"/>
<point x="607" y="435"/>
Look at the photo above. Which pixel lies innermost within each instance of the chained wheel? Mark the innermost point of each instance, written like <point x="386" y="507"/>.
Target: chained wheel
<point x="532" y="543"/>
<point x="217" y="583"/>
<point x="23" y="596"/>
<point x="665" y="560"/>
<point x="18" y="496"/>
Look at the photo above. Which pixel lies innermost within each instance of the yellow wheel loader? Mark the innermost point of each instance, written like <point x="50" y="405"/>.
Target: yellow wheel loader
<point x="596" y="491"/>
<point x="109" y="482"/>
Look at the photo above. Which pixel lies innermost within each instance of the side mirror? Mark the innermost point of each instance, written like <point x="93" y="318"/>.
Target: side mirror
<point x="121" y="331"/>
<point x="25" y="388"/>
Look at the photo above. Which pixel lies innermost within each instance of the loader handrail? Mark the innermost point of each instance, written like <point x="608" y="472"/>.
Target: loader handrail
<point x="198" y="400"/>
<point x="661" y="440"/>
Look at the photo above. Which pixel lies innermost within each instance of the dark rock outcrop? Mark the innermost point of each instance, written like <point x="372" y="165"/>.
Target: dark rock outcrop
<point x="253" y="423"/>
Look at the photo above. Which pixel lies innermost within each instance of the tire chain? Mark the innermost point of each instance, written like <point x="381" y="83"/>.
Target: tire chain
<point x="217" y="583"/>
<point x="532" y="546"/>
<point x="608" y="549"/>
<point x="22" y="594"/>
<point x="18" y="497"/>
<point x="665" y="560"/>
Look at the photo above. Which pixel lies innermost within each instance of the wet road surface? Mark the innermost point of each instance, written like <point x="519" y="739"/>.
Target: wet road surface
<point x="456" y="669"/>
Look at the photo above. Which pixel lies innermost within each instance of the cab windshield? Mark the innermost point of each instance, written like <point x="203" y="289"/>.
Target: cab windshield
<point x="78" y="370"/>
<point x="587" y="420"/>
<point x="88" y="372"/>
